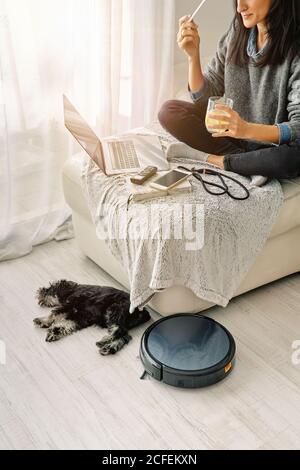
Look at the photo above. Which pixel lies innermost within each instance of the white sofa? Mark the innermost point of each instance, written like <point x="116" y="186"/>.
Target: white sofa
<point x="279" y="258"/>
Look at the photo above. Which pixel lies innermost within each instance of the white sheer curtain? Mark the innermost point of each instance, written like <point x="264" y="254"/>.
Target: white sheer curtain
<point x="113" y="58"/>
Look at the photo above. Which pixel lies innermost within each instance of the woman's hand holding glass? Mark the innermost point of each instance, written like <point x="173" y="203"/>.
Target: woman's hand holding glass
<point x="231" y="125"/>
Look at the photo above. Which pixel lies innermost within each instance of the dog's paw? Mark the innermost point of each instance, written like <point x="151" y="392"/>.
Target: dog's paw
<point x="113" y="345"/>
<point x="104" y="341"/>
<point x="42" y="322"/>
<point x="55" y="334"/>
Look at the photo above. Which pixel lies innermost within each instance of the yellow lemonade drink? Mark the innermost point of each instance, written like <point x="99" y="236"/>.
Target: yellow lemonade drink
<point x="210" y="122"/>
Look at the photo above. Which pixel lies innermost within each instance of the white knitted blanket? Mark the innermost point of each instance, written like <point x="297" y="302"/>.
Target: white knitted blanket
<point x="203" y="242"/>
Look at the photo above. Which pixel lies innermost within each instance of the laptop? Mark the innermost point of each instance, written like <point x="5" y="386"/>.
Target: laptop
<point x="115" y="155"/>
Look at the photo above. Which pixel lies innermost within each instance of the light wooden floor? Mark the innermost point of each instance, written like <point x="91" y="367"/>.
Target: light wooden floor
<point x="66" y="396"/>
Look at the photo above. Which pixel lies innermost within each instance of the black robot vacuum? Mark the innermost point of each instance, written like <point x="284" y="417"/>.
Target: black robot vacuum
<point x="188" y="351"/>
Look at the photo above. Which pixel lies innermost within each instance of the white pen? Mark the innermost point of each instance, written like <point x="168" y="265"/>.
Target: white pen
<point x="196" y="11"/>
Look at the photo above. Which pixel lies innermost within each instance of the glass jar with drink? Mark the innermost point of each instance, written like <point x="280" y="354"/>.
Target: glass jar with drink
<point x="210" y="122"/>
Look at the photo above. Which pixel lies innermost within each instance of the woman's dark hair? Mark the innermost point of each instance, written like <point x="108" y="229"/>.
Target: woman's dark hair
<point x="283" y="24"/>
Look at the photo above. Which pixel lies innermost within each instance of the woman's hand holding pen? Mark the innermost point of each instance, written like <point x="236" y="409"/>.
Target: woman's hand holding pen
<point x="188" y="38"/>
<point x="232" y="124"/>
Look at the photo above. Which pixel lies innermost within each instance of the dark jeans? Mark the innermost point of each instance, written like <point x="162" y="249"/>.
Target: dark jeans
<point x="186" y="122"/>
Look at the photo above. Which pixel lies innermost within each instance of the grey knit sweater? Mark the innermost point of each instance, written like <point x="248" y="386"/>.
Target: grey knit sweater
<point x="267" y="95"/>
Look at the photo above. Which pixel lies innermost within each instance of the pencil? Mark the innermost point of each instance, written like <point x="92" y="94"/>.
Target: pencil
<point x="196" y="11"/>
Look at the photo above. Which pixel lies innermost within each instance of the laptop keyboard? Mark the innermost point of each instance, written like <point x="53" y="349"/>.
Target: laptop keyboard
<point x="123" y="155"/>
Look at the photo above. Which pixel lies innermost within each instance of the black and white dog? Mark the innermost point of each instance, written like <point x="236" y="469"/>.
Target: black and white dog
<point x="77" y="306"/>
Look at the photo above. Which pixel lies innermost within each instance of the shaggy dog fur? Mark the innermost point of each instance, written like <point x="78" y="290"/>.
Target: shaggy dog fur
<point x="76" y="306"/>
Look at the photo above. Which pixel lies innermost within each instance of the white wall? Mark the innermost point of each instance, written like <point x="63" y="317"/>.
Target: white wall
<point x="213" y="20"/>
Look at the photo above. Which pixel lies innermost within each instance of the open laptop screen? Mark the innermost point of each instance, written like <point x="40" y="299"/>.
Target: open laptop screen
<point x="84" y="135"/>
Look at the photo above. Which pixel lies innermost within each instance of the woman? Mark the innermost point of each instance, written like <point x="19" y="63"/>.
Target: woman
<point x="257" y="64"/>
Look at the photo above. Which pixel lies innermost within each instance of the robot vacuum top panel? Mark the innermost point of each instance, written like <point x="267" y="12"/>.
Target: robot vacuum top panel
<point x="191" y="345"/>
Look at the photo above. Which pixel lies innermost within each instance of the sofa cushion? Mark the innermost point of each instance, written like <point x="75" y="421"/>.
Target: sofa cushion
<point x="289" y="216"/>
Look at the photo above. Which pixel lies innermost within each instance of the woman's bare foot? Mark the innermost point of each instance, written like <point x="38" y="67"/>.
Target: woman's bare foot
<point x="217" y="160"/>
